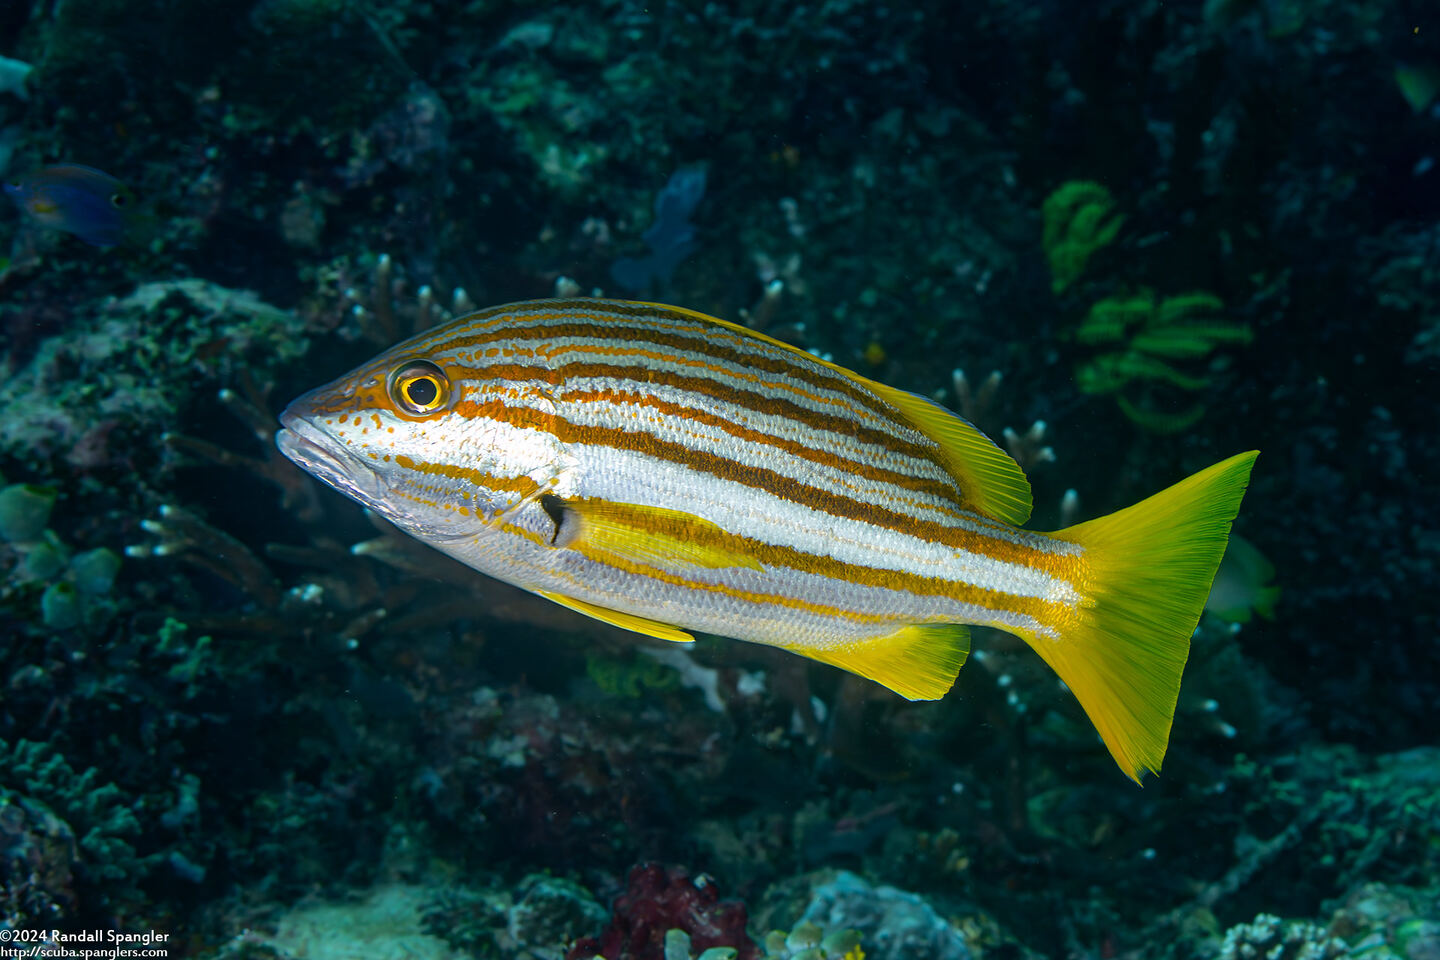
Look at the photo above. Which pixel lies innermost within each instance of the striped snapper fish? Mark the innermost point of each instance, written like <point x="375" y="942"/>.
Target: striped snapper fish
<point x="667" y="472"/>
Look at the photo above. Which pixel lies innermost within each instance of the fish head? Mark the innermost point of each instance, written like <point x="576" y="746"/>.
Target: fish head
<point x="421" y="436"/>
<point x="389" y="435"/>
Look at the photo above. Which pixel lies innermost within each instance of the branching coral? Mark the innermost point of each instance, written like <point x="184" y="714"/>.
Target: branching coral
<point x="370" y="298"/>
<point x="98" y="814"/>
<point x="1029" y="448"/>
<point x="181" y="534"/>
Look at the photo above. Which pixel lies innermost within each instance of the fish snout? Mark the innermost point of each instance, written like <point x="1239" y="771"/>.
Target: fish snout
<point x="309" y="438"/>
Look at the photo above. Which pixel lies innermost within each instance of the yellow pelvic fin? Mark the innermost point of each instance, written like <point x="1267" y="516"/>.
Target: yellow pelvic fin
<point x="625" y="621"/>
<point x="1146" y="572"/>
<point x="991" y="480"/>
<point x="653" y="536"/>
<point x="919" y="661"/>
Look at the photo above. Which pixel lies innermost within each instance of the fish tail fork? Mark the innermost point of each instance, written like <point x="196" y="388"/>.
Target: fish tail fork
<point x="1147" y="571"/>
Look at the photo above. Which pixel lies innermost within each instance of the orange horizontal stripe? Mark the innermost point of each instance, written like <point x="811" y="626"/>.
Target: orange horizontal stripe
<point x="779" y="485"/>
<point x="522" y="485"/>
<point x="661" y="525"/>
<point x="753" y="401"/>
<point x="606" y="559"/>
<point x="946" y="492"/>
<point x="705" y="341"/>
<point x="701" y="364"/>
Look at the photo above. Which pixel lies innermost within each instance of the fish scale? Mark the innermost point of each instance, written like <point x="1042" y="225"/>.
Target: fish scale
<point x="669" y="472"/>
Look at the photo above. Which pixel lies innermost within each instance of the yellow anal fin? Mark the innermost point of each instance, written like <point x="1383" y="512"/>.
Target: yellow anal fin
<point x="919" y="661"/>
<point x="652" y="536"/>
<point x="625" y="621"/>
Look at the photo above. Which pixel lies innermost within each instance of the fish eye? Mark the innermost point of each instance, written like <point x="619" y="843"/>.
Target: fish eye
<point x="118" y="200"/>
<point x="419" y="387"/>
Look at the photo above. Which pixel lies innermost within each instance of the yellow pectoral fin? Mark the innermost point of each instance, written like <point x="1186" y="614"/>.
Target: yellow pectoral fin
<point x="919" y="661"/>
<point x="652" y="536"/>
<point x="625" y="621"/>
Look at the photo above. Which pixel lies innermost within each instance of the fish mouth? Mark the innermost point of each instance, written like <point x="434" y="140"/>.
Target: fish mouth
<point x="317" y="453"/>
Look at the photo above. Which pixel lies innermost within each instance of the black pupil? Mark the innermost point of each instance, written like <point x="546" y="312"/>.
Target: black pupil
<point x="118" y="200"/>
<point x="422" y="391"/>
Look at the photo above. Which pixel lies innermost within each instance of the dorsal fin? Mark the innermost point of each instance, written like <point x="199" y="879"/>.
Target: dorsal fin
<point x="990" y="479"/>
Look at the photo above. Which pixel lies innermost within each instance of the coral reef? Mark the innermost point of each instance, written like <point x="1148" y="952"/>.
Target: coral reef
<point x="891" y="924"/>
<point x="95" y="820"/>
<point x="660" y="901"/>
<point x="1268" y="936"/>
<point x="229" y="701"/>
<point x="144" y="355"/>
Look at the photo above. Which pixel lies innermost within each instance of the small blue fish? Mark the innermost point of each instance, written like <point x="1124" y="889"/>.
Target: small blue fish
<point x="81" y="200"/>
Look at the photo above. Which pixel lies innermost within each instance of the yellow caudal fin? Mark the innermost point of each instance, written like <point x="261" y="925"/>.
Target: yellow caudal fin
<point x="1147" y="572"/>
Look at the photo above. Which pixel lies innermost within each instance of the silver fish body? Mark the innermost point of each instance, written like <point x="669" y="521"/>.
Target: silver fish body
<point x="666" y="472"/>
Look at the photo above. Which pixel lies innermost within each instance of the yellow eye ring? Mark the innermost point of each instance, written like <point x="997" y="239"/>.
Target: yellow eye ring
<point x="419" y="387"/>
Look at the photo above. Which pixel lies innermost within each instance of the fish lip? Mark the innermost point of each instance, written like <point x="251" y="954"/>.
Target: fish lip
<point x="317" y="453"/>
